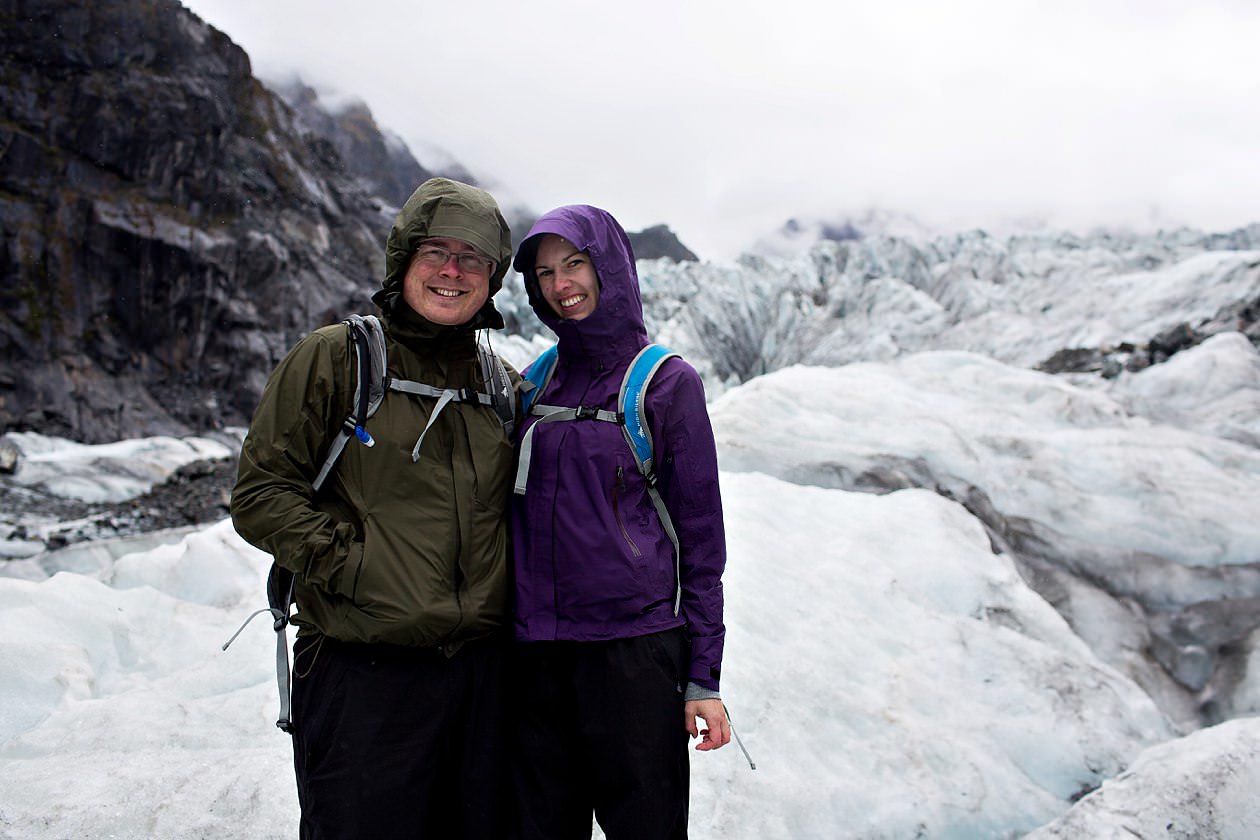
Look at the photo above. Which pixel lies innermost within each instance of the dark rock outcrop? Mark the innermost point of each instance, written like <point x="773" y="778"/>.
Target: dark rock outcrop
<point x="651" y="243"/>
<point x="659" y="241"/>
<point x="1243" y="317"/>
<point x="195" y="494"/>
<point x="167" y="229"/>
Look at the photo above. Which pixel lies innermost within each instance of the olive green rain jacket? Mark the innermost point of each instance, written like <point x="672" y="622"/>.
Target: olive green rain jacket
<point x="389" y="550"/>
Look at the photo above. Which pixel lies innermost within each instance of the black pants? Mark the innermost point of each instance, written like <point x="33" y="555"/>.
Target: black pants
<point x="598" y="727"/>
<point x="395" y="742"/>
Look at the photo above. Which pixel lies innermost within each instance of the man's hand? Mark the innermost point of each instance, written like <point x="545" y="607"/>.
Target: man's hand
<point x="717" y="731"/>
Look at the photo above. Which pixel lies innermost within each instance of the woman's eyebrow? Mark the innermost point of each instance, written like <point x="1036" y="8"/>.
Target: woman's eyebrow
<point x="565" y="258"/>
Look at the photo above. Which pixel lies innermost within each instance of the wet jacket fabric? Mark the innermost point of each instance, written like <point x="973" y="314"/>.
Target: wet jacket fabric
<point x="591" y="559"/>
<point x="389" y="550"/>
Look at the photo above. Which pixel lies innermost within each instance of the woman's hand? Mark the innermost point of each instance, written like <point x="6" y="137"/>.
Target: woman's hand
<point x="717" y="731"/>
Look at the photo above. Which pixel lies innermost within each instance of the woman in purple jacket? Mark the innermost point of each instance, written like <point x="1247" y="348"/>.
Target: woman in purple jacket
<point x="612" y="670"/>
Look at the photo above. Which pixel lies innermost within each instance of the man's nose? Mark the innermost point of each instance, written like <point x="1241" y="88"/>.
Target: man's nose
<point x="451" y="266"/>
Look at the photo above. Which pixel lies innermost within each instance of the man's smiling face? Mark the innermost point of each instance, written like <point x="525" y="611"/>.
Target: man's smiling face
<point x="447" y="291"/>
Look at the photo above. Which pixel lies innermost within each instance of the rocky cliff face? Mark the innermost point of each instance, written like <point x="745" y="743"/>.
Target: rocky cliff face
<point x="167" y="229"/>
<point x="382" y="164"/>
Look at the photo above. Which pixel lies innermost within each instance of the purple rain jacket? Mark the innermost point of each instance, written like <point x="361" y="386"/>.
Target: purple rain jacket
<point x="592" y="560"/>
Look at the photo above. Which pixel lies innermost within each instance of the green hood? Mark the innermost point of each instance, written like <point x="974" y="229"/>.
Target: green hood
<point x="442" y="208"/>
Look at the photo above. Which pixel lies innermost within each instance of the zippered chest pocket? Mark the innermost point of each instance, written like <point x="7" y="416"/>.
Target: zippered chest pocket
<point x="619" y="502"/>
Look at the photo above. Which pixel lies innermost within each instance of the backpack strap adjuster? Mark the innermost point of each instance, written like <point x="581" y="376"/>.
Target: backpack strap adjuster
<point x="586" y="412"/>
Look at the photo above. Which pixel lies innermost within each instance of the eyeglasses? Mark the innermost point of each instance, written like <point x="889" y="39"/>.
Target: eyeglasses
<point x="435" y="257"/>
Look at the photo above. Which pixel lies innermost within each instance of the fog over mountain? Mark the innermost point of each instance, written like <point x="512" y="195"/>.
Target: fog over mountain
<point x="992" y="499"/>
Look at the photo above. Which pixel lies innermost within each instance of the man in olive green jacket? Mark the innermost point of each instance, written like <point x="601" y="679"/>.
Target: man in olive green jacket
<point x="400" y="563"/>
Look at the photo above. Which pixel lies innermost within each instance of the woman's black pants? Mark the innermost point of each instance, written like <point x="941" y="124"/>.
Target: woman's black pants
<point x="598" y="728"/>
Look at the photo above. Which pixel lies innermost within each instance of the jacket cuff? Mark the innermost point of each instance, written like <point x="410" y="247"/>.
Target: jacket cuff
<point x="346" y="578"/>
<point x="699" y="692"/>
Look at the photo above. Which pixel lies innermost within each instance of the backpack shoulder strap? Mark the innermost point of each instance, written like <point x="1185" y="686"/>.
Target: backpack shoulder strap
<point x="630" y="403"/>
<point x="631" y="409"/>
<point x="538" y="375"/>
<point x="368" y="340"/>
<point x="369" y="327"/>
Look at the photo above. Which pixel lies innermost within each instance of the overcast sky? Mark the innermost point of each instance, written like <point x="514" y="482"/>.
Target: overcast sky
<point x="724" y="119"/>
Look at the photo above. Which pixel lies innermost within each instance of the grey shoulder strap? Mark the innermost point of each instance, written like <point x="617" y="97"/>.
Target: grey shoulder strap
<point x="371" y="328"/>
<point x="368" y="340"/>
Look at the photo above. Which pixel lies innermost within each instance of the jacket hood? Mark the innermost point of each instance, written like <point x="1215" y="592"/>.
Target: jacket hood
<point x="616" y="326"/>
<point x="442" y="208"/>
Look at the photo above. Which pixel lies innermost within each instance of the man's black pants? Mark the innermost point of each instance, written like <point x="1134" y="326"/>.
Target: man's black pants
<point x="598" y="727"/>
<point x="395" y="742"/>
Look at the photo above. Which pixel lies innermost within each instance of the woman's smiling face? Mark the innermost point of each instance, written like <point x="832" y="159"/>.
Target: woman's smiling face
<point x="566" y="277"/>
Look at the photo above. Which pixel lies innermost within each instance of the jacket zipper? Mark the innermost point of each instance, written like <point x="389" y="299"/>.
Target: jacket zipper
<point x="618" y="488"/>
